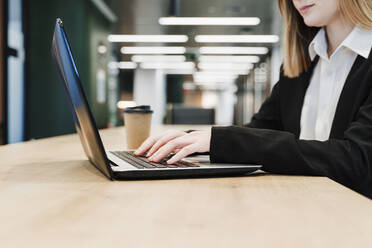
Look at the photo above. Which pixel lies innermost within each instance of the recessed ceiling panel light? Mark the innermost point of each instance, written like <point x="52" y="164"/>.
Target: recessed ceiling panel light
<point x="158" y="58"/>
<point x="217" y="21"/>
<point x="168" y="65"/>
<point x="179" y="71"/>
<point x="153" y="50"/>
<point x="231" y="71"/>
<point x="224" y="66"/>
<point x="215" y="73"/>
<point x="226" y="58"/>
<point x="234" y="50"/>
<point x="125" y="104"/>
<point x="147" y="38"/>
<point x="237" y="38"/>
<point x="122" y="65"/>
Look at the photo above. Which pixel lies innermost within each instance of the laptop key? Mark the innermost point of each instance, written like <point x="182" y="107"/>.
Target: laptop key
<point x="157" y="165"/>
<point x="161" y="164"/>
<point x="129" y="160"/>
<point x="142" y="162"/>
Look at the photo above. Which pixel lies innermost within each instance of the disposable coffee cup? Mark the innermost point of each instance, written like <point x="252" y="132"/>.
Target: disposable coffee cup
<point x="137" y="122"/>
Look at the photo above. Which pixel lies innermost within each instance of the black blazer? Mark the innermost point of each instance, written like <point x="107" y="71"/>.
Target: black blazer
<point x="272" y="137"/>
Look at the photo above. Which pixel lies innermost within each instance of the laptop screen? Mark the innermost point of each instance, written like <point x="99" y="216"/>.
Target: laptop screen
<point x="82" y="115"/>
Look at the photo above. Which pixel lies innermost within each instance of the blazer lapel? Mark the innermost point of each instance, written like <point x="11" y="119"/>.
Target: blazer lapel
<point x="346" y="101"/>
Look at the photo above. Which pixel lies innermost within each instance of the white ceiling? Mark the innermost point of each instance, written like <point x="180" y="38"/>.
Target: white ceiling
<point x="141" y="16"/>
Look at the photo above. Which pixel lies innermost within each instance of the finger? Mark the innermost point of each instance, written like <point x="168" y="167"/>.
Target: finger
<point x="184" y="152"/>
<point x="146" y="145"/>
<point x="168" y="148"/>
<point x="161" y="142"/>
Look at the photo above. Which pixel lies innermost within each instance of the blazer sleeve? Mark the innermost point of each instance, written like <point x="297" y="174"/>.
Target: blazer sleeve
<point x="346" y="160"/>
<point x="269" y="114"/>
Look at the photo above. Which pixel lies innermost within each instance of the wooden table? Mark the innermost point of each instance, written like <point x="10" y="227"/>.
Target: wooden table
<point x="52" y="197"/>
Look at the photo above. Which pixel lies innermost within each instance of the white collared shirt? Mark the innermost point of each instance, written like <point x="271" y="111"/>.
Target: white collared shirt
<point x="328" y="80"/>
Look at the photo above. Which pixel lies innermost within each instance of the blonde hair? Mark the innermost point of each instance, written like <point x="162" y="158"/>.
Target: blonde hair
<point x="298" y="36"/>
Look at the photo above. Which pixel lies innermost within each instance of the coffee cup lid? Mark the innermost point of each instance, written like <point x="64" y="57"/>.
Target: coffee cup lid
<point x="146" y="109"/>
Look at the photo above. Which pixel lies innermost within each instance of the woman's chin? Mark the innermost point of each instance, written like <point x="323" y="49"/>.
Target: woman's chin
<point x="311" y="23"/>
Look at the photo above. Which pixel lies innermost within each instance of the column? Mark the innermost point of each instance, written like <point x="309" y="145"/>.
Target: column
<point x="149" y="89"/>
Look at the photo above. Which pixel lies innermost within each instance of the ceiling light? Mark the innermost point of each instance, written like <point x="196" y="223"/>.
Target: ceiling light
<point x="168" y="65"/>
<point x="179" y="71"/>
<point x="122" y="65"/>
<point x="218" y="21"/>
<point x="125" y="104"/>
<point x="157" y="58"/>
<point x="224" y="66"/>
<point x="237" y="38"/>
<point x="147" y="38"/>
<point x="234" y="59"/>
<point x="153" y="50"/>
<point x="231" y="71"/>
<point x="215" y="73"/>
<point x="234" y="50"/>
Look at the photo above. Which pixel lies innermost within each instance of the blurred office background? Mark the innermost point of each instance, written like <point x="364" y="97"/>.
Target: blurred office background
<point x="178" y="56"/>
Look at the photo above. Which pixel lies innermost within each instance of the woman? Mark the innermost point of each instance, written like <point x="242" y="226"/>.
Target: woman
<point x="318" y="119"/>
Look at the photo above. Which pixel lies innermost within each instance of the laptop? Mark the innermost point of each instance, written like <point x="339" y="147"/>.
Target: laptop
<point x="121" y="165"/>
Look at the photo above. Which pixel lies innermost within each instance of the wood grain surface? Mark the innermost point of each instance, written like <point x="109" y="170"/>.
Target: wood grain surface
<point x="52" y="197"/>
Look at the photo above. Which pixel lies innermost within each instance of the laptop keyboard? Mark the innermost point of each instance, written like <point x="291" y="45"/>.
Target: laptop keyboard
<point x="142" y="162"/>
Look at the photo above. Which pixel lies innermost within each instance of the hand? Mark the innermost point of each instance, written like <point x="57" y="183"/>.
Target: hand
<point x="153" y="143"/>
<point x="182" y="145"/>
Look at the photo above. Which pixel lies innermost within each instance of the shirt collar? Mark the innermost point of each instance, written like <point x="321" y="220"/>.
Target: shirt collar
<point x="318" y="45"/>
<point x="358" y="41"/>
